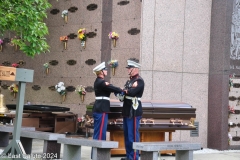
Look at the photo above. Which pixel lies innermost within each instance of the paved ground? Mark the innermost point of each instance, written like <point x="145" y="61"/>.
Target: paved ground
<point x="205" y="154"/>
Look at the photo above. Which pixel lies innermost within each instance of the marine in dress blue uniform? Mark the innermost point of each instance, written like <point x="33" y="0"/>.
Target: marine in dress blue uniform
<point x="132" y="109"/>
<point x="101" y="106"/>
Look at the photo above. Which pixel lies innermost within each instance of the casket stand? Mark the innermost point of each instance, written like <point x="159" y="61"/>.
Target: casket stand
<point x="158" y="118"/>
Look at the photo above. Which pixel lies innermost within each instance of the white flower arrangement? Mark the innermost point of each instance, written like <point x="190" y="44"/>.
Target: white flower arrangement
<point x="60" y="88"/>
<point x="64" y="13"/>
<point x="80" y="89"/>
<point x="46" y="65"/>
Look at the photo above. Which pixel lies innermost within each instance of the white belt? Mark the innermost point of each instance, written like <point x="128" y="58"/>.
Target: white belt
<point x="128" y="97"/>
<point x="106" y="98"/>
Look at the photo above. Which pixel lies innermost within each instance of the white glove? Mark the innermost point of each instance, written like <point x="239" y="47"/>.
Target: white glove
<point x="120" y="97"/>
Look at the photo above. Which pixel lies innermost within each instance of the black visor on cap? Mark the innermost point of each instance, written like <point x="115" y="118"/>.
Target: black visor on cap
<point x="104" y="68"/>
<point x="129" y="66"/>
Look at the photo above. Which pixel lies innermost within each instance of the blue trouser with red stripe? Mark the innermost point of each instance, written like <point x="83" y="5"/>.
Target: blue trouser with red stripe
<point x="100" y="125"/>
<point x="131" y="134"/>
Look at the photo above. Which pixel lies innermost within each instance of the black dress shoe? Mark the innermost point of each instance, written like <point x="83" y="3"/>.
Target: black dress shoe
<point x="124" y="158"/>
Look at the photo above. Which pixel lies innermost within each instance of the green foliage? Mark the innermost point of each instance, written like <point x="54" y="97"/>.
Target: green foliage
<point x="25" y="19"/>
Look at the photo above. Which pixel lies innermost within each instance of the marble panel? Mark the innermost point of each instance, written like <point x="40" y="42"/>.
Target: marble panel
<point x="10" y="50"/>
<point x="122" y="55"/>
<point x="81" y="15"/>
<point x="11" y="57"/>
<point x="33" y="95"/>
<point x="168" y="46"/>
<point x="74" y="45"/>
<point x="167" y="86"/>
<point x="58" y="70"/>
<point x="78" y="109"/>
<point x="35" y="64"/>
<point x="72" y="70"/>
<point x="94" y="16"/>
<point x="168" y="11"/>
<point x="126" y="40"/>
<point x="196" y="37"/>
<point x="147" y="76"/>
<point x="147" y="34"/>
<point x="129" y="11"/>
<point x="185" y="136"/>
<point x="195" y="93"/>
<point x="91" y="43"/>
<point x="90" y="96"/>
<point x="87" y="70"/>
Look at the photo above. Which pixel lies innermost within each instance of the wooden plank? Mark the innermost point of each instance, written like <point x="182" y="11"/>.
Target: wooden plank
<point x="62" y="127"/>
<point x="29" y="122"/>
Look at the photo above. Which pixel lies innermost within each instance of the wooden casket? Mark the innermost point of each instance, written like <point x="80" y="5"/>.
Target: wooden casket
<point x="158" y="118"/>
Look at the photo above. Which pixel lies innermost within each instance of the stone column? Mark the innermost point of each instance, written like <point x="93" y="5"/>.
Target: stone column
<point x="219" y="70"/>
<point x="106" y="28"/>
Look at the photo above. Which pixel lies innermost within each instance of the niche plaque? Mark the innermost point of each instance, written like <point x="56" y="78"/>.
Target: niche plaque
<point x="36" y="87"/>
<point x="92" y="7"/>
<point x="122" y="3"/>
<point x="133" y="31"/>
<point x="90" y="62"/>
<point x="54" y="11"/>
<point x="70" y="88"/>
<point x="53" y="62"/>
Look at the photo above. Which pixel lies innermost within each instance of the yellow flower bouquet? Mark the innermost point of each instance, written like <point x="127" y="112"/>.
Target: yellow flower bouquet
<point x="82" y="36"/>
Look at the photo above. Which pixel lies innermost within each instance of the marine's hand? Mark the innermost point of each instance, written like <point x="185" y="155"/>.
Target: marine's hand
<point x="125" y="91"/>
<point x="107" y="83"/>
<point x="120" y="96"/>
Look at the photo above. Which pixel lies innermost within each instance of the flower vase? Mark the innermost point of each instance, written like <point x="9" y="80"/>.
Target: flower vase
<point x="63" y="98"/>
<point x="65" y="45"/>
<point x="65" y="18"/>
<point x="114" y="42"/>
<point x="82" y="97"/>
<point x="47" y="71"/>
<point x="14" y="94"/>
<point x="15" y="47"/>
<point x="113" y="71"/>
<point x="83" y="44"/>
<point x="1" y="48"/>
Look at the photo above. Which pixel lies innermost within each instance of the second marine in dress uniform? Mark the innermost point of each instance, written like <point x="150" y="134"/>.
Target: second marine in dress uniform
<point x="132" y="108"/>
